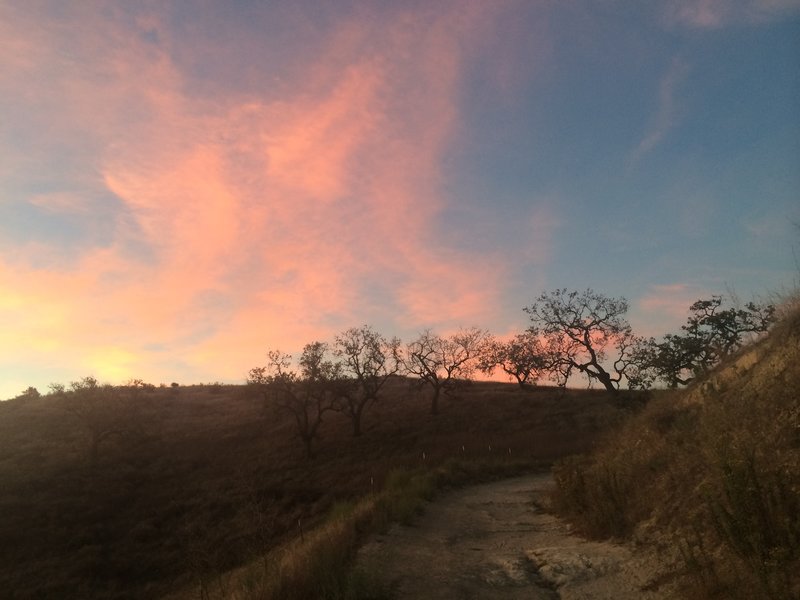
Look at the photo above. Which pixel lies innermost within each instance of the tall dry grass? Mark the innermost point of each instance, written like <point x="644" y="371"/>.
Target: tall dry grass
<point x="318" y="564"/>
<point x="711" y="474"/>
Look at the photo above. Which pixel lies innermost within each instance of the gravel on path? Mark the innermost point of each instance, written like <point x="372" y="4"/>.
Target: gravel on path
<point x="495" y="541"/>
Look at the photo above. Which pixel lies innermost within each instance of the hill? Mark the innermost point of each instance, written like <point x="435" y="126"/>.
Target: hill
<point x="213" y="478"/>
<point x="709" y="474"/>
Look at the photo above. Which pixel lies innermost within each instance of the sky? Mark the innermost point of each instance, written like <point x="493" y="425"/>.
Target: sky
<point x="187" y="184"/>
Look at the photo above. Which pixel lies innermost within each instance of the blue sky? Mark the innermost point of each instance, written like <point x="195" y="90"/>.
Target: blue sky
<point x="185" y="185"/>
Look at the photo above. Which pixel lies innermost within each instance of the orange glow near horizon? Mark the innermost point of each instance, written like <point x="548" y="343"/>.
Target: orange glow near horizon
<point x="184" y="187"/>
<point x="236" y="261"/>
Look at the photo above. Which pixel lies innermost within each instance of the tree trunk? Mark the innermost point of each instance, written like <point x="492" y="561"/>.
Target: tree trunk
<point x="605" y="379"/>
<point x="357" y="421"/>
<point x="435" y="401"/>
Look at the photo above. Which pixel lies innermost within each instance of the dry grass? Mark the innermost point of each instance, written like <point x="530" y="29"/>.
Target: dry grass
<point x="712" y="474"/>
<point x="318" y="563"/>
<point x="218" y="481"/>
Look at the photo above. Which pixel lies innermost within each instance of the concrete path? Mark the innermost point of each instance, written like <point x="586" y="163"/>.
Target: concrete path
<point x="493" y="541"/>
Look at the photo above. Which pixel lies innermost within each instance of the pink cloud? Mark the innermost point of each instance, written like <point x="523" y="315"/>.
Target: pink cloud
<point x="664" y="308"/>
<point x="672" y="299"/>
<point x="264" y="222"/>
<point x="713" y="14"/>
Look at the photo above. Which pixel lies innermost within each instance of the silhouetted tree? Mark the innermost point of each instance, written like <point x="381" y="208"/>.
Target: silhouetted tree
<point x="29" y="393"/>
<point x="101" y="410"/>
<point x="369" y="361"/>
<point x="724" y="330"/>
<point x="711" y="333"/>
<point x="524" y="358"/>
<point x="306" y="396"/>
<point x="135" y="386"/>
<point x="587" y="332"/>
<point x="673" y="361"/>
<point x="443" y="362"/>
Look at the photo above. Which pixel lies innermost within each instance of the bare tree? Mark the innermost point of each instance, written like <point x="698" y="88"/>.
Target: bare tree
<point x="137" y="386"/>
<point x="443" y="362"/>
<point x="724" y="330"/>
<point x="307" y="395"/>
<point x="711" y="333"/>
<point x="102" y="411"/>
<point x="261" y="379"/>
<point x="369" y="361"/>
<point x="674" y="360"/>
<point x="524" y="358"/>
<point x="588" y="332"/>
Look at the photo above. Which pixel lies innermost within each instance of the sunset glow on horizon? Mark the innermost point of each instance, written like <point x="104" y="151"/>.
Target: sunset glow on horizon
<point x="186" y="185"/>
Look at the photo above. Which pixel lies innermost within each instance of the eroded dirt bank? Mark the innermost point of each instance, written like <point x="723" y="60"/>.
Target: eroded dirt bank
<point x="494" y="541"/>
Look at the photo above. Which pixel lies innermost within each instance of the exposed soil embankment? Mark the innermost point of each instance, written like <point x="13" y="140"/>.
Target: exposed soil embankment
<point x="496" y="541"/>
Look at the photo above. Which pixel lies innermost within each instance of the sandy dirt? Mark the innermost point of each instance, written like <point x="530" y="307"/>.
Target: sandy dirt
<point x="495" y="541"/>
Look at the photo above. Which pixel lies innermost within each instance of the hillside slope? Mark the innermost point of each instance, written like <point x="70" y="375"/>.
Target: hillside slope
<point x="215" y="479"/>
<point x="770" y="366"/>
<point x="710" y="475"/>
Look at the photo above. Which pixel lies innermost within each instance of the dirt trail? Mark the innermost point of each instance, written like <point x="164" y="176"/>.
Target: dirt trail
<point x="493" y="541"/>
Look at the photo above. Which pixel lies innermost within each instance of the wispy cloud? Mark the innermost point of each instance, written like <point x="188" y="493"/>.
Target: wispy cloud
<point x="665" y="307"/>
<point x="185" y="186"/>
<point x="668" y="111"/>
<point x="713" y="14"/>
<point x="243" y="222"/>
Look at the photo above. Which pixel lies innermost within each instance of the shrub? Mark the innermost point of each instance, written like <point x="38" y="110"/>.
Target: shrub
<point x="29" y="394"/>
